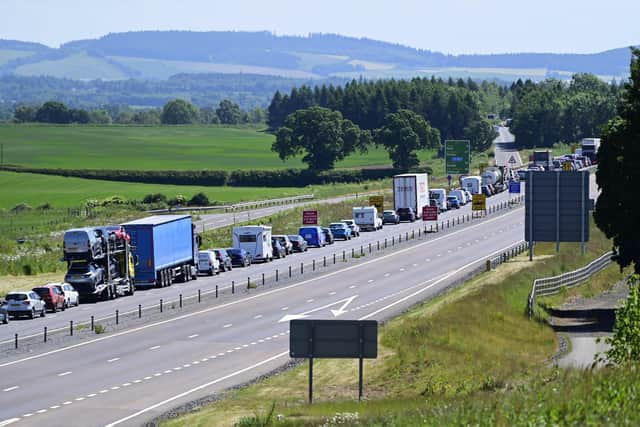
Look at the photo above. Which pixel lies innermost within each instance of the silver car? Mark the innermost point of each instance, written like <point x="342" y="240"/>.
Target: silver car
<point x="4" y="314"/>
<point x="28" y="304"/>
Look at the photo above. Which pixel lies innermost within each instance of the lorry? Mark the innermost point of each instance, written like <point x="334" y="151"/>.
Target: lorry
<point x="366" y="217"/>
<point x="108" y="276"/>
<point x="589" y="148"/>
<point x="473" y="184"/>
<point x="543" y="158"/>
<point x="256" y="240"/>
<point x="410" y="191"/>
<point x="166" y="248"/>
<point x="494" y="176"/>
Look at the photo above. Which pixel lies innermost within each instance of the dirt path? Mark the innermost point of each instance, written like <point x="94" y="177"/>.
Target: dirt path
<point x="584" y="320"/>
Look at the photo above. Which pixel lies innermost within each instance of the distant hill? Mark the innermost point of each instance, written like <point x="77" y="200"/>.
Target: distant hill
<point x="149" y="55"/>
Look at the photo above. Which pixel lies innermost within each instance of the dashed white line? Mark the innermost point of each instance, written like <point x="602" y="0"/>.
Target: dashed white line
<point x="11" y="421"/>
<point x="147" y="378"/>
<point x="126" y="384"/>
<point x="94" y="394"/>
<point x="352" y="287"/>
<point x="102" y="392"/>
<point x="79" y="399"/>
<point x="427" y="259"/>
<point x="155" y="347"/>
<point x="115" y="359"/>
<point x="387" y="274"/>
<point x="64" y="374"/>
<point x="370" y="281"/>
<point x="41" y="411"/>
<point x="168" y="371"/>
<point x="284" y="308"/>
<point x="259" y="316"/>
<point x="192" y="336"/>
<point x="54" y="407"/>
<point x="228" y="325"/>
<point x="332" y="293"/>
<point x="15" y="387"/>
<point x="68" y="402"/>
<point x="27" y="415"/>
<point x="310" y="300"/>
<point x="402" y="269"/>
<point x="115" y="387"/>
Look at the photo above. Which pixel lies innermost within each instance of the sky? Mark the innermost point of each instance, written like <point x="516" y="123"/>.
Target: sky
<point x="448" y="26"/>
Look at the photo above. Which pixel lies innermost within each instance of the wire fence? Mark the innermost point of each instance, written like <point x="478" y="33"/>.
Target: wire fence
<point x="552" y="285"/>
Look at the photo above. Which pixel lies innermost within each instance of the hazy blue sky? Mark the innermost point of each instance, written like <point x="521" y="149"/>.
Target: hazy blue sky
<point x="450" y="26"/>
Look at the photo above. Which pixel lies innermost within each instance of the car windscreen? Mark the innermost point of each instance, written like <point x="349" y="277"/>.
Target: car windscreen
<point x="336" y="226"/>
<point x="247" y="238"/>
<point x="41" y="291"/>
<point x="17" y="297"/>
<point x="79" y="269"/>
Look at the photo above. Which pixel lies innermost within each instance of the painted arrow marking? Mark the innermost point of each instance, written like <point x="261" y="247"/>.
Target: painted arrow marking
<point x="342" y="310"/>
<point x="345" y="302"/>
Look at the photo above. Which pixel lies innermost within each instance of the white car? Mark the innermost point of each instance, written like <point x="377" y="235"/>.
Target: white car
<point x="285" y="242"/>
<point x="208" y="263"/>
<point x="20" y="303"/>
<point x="355" y="229"/>
<point x="71" y="296"/>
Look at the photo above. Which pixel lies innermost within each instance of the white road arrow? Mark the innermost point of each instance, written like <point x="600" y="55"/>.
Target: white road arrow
<point x="342" y="310"/>
<point x="345" y="302"/>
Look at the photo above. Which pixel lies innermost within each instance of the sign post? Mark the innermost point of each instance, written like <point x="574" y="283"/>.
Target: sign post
<point x="310" y="217"/>
<point x="378" y="202"/>
<point x="457" y="156"/>
<point x="338" y="339"/>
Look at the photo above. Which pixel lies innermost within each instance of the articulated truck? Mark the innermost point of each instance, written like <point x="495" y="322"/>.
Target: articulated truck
<point x="410" y="192"/>
<point x="166" y="249"/>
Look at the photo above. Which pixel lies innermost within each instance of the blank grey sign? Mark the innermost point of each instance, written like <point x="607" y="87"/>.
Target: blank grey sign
<point x="333" y="338"/>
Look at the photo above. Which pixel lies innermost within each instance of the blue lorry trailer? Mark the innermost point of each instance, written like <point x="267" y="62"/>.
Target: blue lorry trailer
<point x="165" y="249"/>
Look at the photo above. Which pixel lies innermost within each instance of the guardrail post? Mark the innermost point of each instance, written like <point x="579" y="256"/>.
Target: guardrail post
<point x="301" y="268"/>
<point x="16" y="341"/>
<point x="361" y="251"/>
<point x="378" y="242"/>
<point x="117" y="317"/>
<point x="160" y="305"/>
<point x="233" y="286"/>
<point x="71" y="327"/>
<point x="393" y="240"/>
<point x="448" y="224"/>
<point x="352" y="252"/>
<point x="413" y="234"/>
<point x="369" y="247"/>
<point x="45" y="334"/>
<point x="248" y="283"/>
<point x="324" y="261"/>
<point x="262" y="279"/>
<point x="344" y="256"/>
<point x="385" y="243"/>
<point x="139" y="314"/>
<point x="334" y="257"/>
<point x="488" y="265"/>
<point x="216" y="291"/>
<point x="199" y="296"/>
<point x="180" y="300"/>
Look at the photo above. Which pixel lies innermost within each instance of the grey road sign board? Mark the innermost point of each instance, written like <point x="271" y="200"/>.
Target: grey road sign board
<point x="557" y="207"/>
<point x="333" y="338"/>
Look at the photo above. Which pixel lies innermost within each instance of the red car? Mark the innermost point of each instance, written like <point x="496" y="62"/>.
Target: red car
<point x="52" y="296"/>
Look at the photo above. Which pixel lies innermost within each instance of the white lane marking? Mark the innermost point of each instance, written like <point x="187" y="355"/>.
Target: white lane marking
<point x="253" y="343"/>
<point x="92" y="395"/>
<point x="68" y="402"/>
<point x="192" y="336"/>
<point x="65" y="374"/>
<point x="79" y="399"/>
<point x="15" y="387"/>
<point x="11" y="421"/>
<point x="402" y="269"/>
<point x="200" y="387"/>
<point x="259" y="316"/>
<point x="386" y="275"/>
<point x="352" y="287"/>
<point x="147" y="378"/>
<point x="229" y="351"/>
<point x="310" y="300"/>
<point x="41" y="411"/>
<point x="54" y="407"/>
<point x="126" y="384"/>
<point x="115" y="359"/>
<point x="104" y="391"/>
<point x="168" y="371"/>
<point x="115" y="387"/>
<point x="284" y="308"/>
<point x="445" y="277"/>
<point x="261" y="295"/>
<point x="155" y="347"/>
<point x="220" y="354"/>
<point x="370" y="281"/>
<point x="415" y="265"/>
<point x="27" y="415"/>
<point x="427" y="259"/>
<point x="228" y="325"/>
<point x="332" y="293"/>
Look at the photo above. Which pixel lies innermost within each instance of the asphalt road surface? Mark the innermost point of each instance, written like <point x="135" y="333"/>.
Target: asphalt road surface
<point x="506" y="153"/>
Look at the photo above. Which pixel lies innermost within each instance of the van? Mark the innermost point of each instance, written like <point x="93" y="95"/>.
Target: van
<point x="208" y="263"/>
<point x="460" y="195"/>
<point x="256" y="240"/>
<point x="473" y="184"/>
<point x="313" y="236"/>
<point x="440" y="196"/>
<point x="82" y="243"/>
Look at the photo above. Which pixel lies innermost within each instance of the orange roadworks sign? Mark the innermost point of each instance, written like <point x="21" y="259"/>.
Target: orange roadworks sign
<point x="479" y="202"/>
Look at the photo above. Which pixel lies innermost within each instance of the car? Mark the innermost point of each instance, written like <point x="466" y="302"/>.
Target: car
<point x="406" y="214"/>
<point x="224" y="259"/>
<point x="4" y="312"/>
<point x="239" y="257"/>
<point x="82" y="242"/>
<point x="208" y="263"/>
<point x="71" y="296"/>
<point x="340" y="230"/>
<point x="278" y="250"/>
<point x="84" y="273"/>
<point x="390" y="217"/>
<point x="468" y="194"/>
<point x="52" y="297"/>
<point x="20" y="303"/>
<point x="298" y="243"/>
<point x="285" y="242"/>
<point x="355" y="229"/>
<point x="453" y="202"/>
<point x="328" y="235"/>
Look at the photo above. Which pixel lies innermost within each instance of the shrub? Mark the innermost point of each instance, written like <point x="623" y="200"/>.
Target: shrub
<point x="45" y="207"/>
<point x="154" y="198"/>
<point x="22" y="207"/>
<point x="199" y="199"/>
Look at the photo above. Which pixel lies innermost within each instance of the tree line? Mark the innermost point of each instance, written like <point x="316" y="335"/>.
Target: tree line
<point x="175" y="112"/>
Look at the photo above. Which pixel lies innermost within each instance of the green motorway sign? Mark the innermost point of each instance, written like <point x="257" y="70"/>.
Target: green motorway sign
<point x="457" y="157"/>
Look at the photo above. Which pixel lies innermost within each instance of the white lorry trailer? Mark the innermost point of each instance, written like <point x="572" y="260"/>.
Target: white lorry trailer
<point x="473" y="184"/>
<point x="590" y="148"/>
<point x="366" y="217"/>
<point x="410" y="191"/>
<point x="256" y="240"/>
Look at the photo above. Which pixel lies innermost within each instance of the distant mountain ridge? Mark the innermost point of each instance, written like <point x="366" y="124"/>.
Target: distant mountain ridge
<point x="160" y="54"/>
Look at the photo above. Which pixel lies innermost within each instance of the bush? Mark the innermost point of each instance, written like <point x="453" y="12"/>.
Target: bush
<point x="625" y="342"/>
<point x="45" y="207"/>
<point x="154" y="198"/>
<point x="22" y="207"/>
<point x="199" y="199"/>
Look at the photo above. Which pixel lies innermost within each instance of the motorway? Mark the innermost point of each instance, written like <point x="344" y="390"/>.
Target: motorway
<point x="147" y="298"/>
<point x="131" y="376"/>
<point x="505" y="148"/>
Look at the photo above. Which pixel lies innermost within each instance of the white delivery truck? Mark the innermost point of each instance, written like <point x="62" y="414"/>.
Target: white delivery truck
<point x="410" y="192"/>
<point x="255" y="239"/>
<point x="440" y="196"/>
<point x="473" y="184"/>
<point x="589" y="148"/>
<point x="366" y="217"/>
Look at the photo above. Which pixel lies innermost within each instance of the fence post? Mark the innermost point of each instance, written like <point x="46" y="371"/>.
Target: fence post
<point x="216" y="291"/>
<point x="344" y="256"/>
<point x="289" y="271"/>
<point x="45" y="334"/>
<point x="302" y="268"/>
<point x="378" y="245"/>
<point x="276" y="275"/>
<point x="248" y="283"/>
<point x="324" y="261"/>
<point x="71" y="327"/>
<point x="160" y="305"/>
<point x="488" y="265"/>
<point x="313" y="268"/>
<point x="385" y="243"/>
<point x="352" y="252"/>
<point x="199" y="296"/>
<point x="117" y="317"/>
<point x="92" y="326"/>
<point x="262" y="279"/>
<point x="233" y="286"/>
<point x="334" y="257"/>
<point x="180" y="300"/>
<point x="16" y="341"/>
<point x="361" y="251"/>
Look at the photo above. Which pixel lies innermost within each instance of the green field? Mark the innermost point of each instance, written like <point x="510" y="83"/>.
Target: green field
<point x="154" y="148"/>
